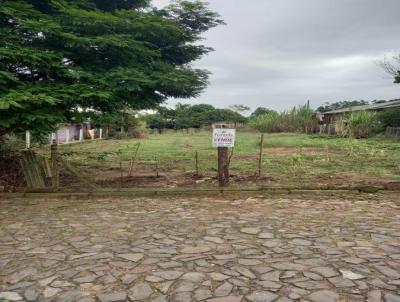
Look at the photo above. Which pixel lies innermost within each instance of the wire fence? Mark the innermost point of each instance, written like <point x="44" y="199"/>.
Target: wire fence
<point x="186" y="159"/>
<point x="135" y="165"/>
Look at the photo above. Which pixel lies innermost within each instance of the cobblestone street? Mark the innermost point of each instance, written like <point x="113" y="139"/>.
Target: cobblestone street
<point x="279" y="248"/>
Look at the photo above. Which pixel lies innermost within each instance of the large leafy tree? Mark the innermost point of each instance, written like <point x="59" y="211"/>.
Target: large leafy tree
<point x="62" y="57"/>
<point x="260" y="111"/>
<point x="191" y="116"/>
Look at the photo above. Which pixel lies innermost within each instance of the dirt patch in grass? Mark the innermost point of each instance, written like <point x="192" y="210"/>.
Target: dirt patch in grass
<point x="251" y="178"/>
<point x="392" y="185"/>
<point x="292" y="150"/>
<point x="188" y="179"/>
<point x="137" y="181"/>
<point x="164" y="180"/>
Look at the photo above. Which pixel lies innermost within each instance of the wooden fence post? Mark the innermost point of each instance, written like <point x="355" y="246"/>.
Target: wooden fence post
<point x="156" y="166"/>
<point x="196" y="158"/>
<point x="28" y="139"/>
<point x="55" y="179"/>
<point x="261" y="154"/>
<point x="223" y="167"/>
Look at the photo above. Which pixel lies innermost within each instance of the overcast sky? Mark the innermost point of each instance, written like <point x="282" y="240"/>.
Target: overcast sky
<point x="281" y="53"/>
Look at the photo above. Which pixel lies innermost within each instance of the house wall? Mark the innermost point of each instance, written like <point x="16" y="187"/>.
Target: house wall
<point x="332" y="118"/>
<point x="69" y="132"/>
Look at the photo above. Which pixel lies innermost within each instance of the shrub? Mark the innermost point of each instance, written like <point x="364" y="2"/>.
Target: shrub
<point x="298" y="119"/>
<point x="390" y="117"/>
<point x="269" y="122"/>
<point x="362" y="124"/>
<point x="341" y="128"/>
<point x="11" y="143"/>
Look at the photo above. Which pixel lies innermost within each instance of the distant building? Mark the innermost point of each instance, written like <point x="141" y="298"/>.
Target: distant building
<point x="330" y="118"/>
<point x="72" y="132"/>
<point x="224" y="124"/>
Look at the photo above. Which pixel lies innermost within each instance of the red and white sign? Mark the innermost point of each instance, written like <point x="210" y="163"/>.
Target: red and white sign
<point x="223" y="137"/>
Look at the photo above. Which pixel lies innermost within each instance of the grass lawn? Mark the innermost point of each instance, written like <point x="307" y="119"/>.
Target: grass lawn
<point x="289" y="158"/>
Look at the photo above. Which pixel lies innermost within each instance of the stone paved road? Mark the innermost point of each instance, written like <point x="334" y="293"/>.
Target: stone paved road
<point x="187" y="249"/>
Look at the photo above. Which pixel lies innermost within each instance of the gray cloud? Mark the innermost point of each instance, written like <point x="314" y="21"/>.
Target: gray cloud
<point x="281" y="53"/>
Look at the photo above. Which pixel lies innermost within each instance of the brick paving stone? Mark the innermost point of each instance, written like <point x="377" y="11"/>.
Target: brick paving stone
<point x="227" y="299"/>
<point x="251" y="231"/>
<point x="202" y="294"/>
<point x="160" y="298"/>
<point x="324" y="296"/>
<point x="112" y="297"/>
<point x="69" y="296"/>
<point x="262" y="296"/>
<point x="140" y="291"/>
<point x="218" y="276"/>
<point x="10" y="296"/>
<point x="50" y="292"/>
<point x="223" y="290"/>
<point x="131" y="257"/>
<point x="374" y="296"/>
<point x="392" y="298"/>
<point x="325" y="271"/>
<point x="30" y="294"/>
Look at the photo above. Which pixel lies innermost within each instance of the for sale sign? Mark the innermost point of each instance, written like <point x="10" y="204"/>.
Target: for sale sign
<point x="223" y="137"/>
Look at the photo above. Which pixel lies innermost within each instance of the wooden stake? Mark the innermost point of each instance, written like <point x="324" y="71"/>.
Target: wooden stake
<point x="122" y="173"/>
<point x="223" y="166"/>
<point x="196" y="158"/>
<point x="55" y="173"/>
<point x="156" y="163"/>
<point x="28" y="139"/>
<point x="133" y="160"/>
<point x="261" y="154"/>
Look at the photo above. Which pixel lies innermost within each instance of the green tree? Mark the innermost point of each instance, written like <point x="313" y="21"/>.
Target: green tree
<point x="260" y="111"/>
<point x="61" y="57"/>
<point x="219" y="115"/>
<point x="239" y="108"/>
<point x="191" y="116"/>
<point x="156" y="121"/>
<point x="340" y="105"/>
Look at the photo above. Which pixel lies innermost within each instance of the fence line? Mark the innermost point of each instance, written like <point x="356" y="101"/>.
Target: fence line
<point x="63" y="136"/>
<point x="393" y="131"/>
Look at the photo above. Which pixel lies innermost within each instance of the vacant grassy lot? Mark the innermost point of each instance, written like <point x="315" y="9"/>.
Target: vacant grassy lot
<point x="289" y="158"/>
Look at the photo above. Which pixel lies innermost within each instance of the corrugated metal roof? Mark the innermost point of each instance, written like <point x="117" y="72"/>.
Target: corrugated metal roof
<point x="392" y="104"/>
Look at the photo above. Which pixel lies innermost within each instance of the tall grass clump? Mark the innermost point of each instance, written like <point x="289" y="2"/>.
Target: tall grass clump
<point x="298" y="119"/>
<point x="362" y="124"/>
<point x="269" y="122"/>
